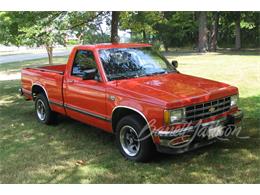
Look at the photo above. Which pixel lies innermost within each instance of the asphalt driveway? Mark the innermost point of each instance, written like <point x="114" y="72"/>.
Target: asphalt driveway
<point x="29" y="56"/>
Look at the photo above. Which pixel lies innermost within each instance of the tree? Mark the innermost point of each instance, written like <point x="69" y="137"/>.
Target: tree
<point x="176" y="29"/>
<point x="203" y="32"/>
<point x="172" y="29"/>
<point x="46" y="29"/>
<point x="214" y="32"/>
<point x="50" y="30"/>
<point x="114" y="27"/>
<point x="140" y="23"/>
<point x="240" y="27"/>
<point x="9" y="28"/>
<point x="92" y="36"/>
<point x="237" y="31"/>
<point x="87" y="26"/>
<point x="35" y="29"/>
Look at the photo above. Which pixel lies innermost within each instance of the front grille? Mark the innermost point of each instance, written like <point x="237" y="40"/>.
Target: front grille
<point x="207" y="109"/>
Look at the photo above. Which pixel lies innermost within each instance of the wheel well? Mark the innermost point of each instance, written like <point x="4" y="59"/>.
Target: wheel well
<point x="36" y="89"/>
<point x="122" y="112"/>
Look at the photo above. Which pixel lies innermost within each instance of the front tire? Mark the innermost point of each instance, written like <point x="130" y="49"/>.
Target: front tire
<point x="43" y="111"/>
<point x="134" y="143"/>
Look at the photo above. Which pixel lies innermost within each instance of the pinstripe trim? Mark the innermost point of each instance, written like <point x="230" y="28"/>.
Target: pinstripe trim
<point x="87" y="113"/>
<point x="56" y="103"/>
<point x="80" y="111"/>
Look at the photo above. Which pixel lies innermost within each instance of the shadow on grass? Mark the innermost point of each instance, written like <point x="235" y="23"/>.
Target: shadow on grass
<point x="72" y="152"/>
<point x="179" y="53"/>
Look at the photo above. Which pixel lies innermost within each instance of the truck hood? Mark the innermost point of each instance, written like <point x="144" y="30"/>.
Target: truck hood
<point x="175" y="90"/>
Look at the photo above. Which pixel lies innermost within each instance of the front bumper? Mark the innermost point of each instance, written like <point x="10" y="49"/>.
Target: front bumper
<point x="192" y="137"/>
<point x="27" y="94"/>
<point x="20" y="91"/>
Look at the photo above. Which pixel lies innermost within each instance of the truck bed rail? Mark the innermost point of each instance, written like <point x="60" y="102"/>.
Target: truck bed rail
<point x="46" y="70"/>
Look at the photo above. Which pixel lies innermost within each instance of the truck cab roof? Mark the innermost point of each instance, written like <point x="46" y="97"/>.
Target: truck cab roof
<point x="113" y="45"/>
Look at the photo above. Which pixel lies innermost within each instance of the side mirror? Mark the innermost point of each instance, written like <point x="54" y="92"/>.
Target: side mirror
<point x="175" y="64"/>
<point x="89" y="74"/>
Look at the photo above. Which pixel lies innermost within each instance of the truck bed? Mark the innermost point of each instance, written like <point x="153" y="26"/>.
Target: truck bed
<point x="49" y="78"/>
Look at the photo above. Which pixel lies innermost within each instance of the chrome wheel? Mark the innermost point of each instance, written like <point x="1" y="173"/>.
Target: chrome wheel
<point x="41" y="110"/>
<point x="129" y="140"/>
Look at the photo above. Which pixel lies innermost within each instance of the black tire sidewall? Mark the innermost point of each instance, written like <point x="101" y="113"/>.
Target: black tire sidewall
<point x="44" y="99"/>
<point x="146" y="145"/>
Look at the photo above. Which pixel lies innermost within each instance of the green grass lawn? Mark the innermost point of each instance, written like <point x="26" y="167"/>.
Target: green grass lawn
<point x="71" y="152"/>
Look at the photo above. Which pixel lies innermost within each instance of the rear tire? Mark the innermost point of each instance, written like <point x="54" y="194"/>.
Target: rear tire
<point x="134" y="143"/>
<point x="43" y="111"/>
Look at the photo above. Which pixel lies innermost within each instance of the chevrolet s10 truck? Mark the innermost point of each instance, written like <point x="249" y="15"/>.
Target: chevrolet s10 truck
<point x="134" y="92"/>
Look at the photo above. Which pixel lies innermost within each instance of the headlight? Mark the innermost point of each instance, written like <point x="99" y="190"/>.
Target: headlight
<point x="173" y="116"/>
<point x="234" y="100"/>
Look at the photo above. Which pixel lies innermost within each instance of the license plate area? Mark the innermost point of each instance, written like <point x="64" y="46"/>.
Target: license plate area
<point x="216" y="131"/>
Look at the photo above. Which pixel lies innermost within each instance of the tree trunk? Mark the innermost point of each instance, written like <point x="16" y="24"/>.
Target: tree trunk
<point x="214" y="32"/>
<point x="166" y="48"/>
<point x="114" y="27"/>
<point x="203" y="31"/>
<point x="238" y="33"/>
<point x="165" y="45"/>
<point x="50" y="54"/>
<point x="257" y="27"/>
<point x="144" y="35"/>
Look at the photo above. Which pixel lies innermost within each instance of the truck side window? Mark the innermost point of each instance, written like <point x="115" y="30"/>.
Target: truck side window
<point x="84" y="60"/>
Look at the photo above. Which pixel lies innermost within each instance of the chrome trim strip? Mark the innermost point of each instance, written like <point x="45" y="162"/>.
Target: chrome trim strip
<point x="41" y="87"/>
<point x="207" y="113"/>
<point x="166" y="133"/>
<point x="73" y="108"/>
<point x="204" y="108"/>
<point x="56" y="103"/>
<point x="86" y="113"/>
<point x="139" y="112"/>
<point x="47" y="70"/>
<point x="215" y="121"/>
<point x="220" y="106"/>
<point x="210" y="101"/>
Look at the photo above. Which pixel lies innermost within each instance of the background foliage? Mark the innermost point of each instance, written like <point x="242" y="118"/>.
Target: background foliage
<point x="196" y="30"/>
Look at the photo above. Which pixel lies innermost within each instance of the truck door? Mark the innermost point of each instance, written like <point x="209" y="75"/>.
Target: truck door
<point x="85" y="100"/>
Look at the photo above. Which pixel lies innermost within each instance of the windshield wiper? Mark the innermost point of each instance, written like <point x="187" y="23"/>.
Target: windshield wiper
<point x="117" y="77"/>
<point x="155" y="73"/>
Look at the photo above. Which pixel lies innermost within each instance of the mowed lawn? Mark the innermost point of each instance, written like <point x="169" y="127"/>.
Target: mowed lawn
<point x="71" y="152"/>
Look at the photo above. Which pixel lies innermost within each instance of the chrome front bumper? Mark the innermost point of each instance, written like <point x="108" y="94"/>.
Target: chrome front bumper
<point x="166" y="137"/>
<point x="20" y="91"/>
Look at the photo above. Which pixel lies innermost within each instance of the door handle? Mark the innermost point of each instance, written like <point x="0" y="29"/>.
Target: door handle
<point x="70" y="81"/>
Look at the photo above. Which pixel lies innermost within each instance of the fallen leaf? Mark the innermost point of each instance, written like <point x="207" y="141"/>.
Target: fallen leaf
<point x="80" y="162"/>
<point x="27" y="135"/>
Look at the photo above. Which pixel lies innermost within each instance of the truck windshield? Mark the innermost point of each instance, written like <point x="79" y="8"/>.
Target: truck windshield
<point x="123" y="63"/>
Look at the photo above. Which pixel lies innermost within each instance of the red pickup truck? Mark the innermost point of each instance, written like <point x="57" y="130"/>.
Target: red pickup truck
<point x="134" y="92"/>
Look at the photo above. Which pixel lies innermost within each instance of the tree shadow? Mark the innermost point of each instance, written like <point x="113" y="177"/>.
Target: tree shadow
<point x="242" y="52"/>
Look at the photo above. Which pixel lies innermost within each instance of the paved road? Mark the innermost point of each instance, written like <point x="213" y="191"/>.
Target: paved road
<point x="29" y="56"/>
